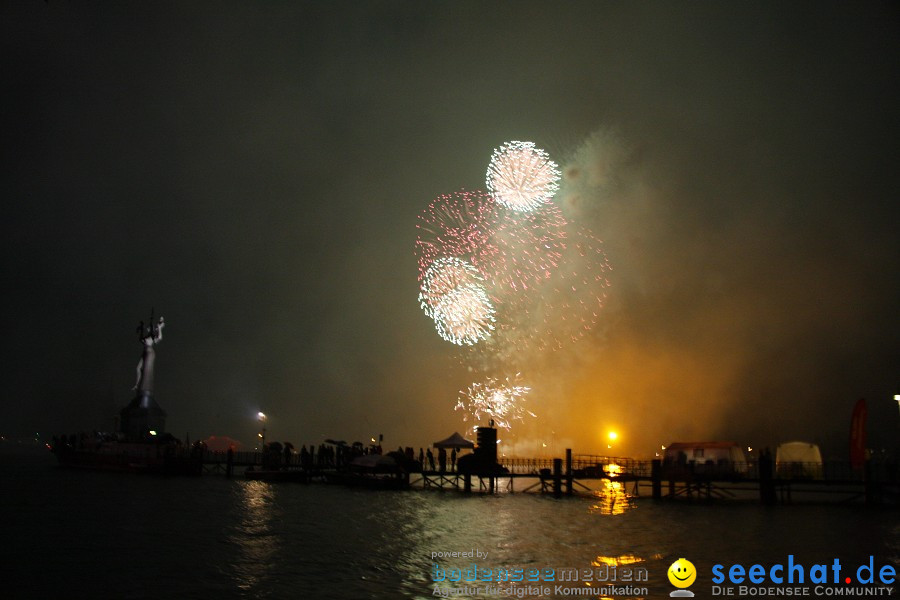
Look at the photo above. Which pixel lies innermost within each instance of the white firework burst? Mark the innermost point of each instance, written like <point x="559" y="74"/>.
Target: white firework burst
<point x="452" y="294"/>
<point x="494" y="400"/>
<point x="464" y="315"/>
<point x="443" y="276"/>
<point x="522" y="177"/>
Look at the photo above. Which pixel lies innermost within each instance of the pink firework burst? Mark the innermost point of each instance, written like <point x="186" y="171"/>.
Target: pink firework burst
<point x="512" y="251"/>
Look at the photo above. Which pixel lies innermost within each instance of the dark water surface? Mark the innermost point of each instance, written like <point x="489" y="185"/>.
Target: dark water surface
<point x="73" y="534"/>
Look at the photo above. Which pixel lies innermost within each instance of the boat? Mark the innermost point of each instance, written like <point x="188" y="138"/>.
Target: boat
<point x="163" y="456"/>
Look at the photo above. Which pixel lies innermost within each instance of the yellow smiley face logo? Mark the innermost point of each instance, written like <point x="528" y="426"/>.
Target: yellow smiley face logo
<point x="682" y="573"/>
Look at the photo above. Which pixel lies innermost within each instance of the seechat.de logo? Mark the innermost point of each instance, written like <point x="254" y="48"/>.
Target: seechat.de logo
<point x="682" y="574"/>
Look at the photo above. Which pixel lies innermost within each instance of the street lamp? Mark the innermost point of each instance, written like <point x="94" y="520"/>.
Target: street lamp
<point x="262" y="435"/>
<point x="897" y="398"/>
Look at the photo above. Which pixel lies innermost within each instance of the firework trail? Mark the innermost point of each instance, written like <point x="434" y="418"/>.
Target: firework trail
<point x="521" y="176"/>
<point x="530" y="248"/>
<point x="567" y="305"/>
<point x="494" y="400"/>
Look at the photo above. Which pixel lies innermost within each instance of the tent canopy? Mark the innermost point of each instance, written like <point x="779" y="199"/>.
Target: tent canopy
<point x="801" y="452"/>
<point x="454" y="441"/>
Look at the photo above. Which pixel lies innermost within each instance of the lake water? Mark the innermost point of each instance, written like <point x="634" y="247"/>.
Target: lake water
<point x="73" y="534"/>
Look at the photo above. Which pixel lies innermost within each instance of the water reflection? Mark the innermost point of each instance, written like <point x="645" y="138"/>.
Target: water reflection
<point x="241" y="539"/>
<point x="255" y="535"/>
<point x="612" y="499"/>
<point x="617" y="561"/>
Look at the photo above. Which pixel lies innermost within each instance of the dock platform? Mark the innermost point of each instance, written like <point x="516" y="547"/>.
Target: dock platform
<point x="877" y="483"/>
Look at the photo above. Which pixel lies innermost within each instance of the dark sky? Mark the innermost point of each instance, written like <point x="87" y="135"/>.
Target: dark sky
<point x="254" y="171"/>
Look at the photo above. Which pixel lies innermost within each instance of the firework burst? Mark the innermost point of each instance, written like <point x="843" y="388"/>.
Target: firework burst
<point x="494" y="400"/>
<point x="511" y="251"/>
<point x="452" y="295"/>
<point x="443" y="276"/>
<point x="505" y="277"/>
<point x="521" y="176"/>
<point x="458" y="225"/>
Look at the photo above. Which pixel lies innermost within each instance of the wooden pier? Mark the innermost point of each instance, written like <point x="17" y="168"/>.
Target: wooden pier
<point x="655" y="479"/>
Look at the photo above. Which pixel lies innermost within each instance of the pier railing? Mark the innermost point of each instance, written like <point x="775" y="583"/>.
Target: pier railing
<point x="597" y="466"/>
<point x="255" y="458"/>
<point x="589" y="466"/>
<point x="828" y="471"/>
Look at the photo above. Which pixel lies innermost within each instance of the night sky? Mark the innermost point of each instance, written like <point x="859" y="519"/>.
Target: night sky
<point x="254" y="173"/>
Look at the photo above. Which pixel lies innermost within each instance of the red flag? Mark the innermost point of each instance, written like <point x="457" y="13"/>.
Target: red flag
<point x="858" y="435"/>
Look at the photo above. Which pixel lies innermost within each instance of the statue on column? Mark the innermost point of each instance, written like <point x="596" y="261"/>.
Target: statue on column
<point x="143" y="416"/>
<point x="149" y="337"/>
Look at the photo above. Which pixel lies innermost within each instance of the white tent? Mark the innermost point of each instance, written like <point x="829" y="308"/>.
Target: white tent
<point x="798" y="459"/>
<point x="454" y="441"/>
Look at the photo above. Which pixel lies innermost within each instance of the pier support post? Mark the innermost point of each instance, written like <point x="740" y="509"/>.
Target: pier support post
<point x="766" y="481"/>
<point x="656" y="478"/>
<point x="568" y="471"/>
<point x="557" y="477"/>
<point x="229" y="463"/>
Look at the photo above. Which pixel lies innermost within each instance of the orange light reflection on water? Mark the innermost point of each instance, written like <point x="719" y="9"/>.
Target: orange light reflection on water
<point x="611" y="499"/>
<point x="617" y="561"/>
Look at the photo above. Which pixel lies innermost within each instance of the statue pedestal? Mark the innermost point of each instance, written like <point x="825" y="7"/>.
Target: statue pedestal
<point x="141" y="415"/>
